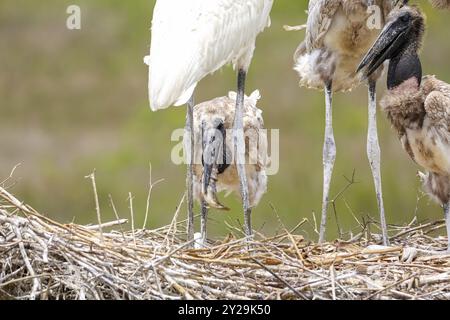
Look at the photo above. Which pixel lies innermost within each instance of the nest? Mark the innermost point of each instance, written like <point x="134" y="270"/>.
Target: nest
<point x="43" y="259"/>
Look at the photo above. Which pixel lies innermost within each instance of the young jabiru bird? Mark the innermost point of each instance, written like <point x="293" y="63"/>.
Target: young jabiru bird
<point x="338" y="34"/>
<point x="418" y="108"/>
<point x="215" y="167"/>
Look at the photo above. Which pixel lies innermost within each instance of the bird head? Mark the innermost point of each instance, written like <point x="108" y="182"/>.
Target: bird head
<point x="403" y="32"/>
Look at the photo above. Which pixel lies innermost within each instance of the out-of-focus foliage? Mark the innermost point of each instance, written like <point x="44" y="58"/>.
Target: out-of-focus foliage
<point x="72" y="101"/>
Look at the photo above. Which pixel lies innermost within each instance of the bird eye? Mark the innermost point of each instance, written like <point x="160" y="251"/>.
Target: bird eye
<point x="404" y="18"/>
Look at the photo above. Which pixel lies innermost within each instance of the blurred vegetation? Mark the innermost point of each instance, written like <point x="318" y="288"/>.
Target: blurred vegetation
<point x="72" y="101"/>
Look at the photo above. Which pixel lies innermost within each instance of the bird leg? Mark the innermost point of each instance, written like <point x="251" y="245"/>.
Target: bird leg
<point x="204" y="217"/>
<point x="447" y="222"/>
<point x="239" y="151"/>
<point x="189" y="134"/>
<point x="329" y="157"/>
<point x="373" y="154"/>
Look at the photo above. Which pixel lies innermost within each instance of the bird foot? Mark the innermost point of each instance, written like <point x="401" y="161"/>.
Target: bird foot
<point x="410" y="254"/>
<point x="199" y="241"/>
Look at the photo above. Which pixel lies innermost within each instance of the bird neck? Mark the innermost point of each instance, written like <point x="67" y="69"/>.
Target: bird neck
<point x="403" y="67"/>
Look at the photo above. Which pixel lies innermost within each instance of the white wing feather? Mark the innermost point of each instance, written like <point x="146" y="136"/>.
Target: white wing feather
<point x="194" y="38"/>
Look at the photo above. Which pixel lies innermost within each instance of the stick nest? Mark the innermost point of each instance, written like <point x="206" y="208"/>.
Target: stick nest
<point x="43" y="259"/>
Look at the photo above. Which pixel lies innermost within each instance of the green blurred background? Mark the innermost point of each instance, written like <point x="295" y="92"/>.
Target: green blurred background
<point x="72" y="101"/>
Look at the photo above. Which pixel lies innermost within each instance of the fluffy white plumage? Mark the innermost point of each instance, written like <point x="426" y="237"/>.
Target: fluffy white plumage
<point x="194" y="38"/>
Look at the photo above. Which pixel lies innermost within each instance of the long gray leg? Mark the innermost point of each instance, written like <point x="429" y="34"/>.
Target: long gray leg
<point x="239" y="148"/>
<point x="248" y="222"/>
<point x="203" y="220"/>
<point x="447" y="222"/>
<point x="190" y="168"/>
<point x="329" y="157"/>
<point x="373" y="153"/>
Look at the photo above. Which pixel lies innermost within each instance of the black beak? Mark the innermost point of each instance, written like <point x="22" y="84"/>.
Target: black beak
<point x="385" y="47"/>
<point x="213" y="138"/>
<point x="209" y="154"/>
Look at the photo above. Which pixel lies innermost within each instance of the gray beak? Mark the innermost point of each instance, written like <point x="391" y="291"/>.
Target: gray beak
<point x="213" y="142"/>
<point x="388" y="43"/>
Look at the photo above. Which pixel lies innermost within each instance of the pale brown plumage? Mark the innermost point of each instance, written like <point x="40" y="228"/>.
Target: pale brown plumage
<point x="338" y="34"/>
<point x="222" y="110"/>
<point x="337" y="37"/>
<point x="421" y="117"/>
<point x="420" y="113"/>
<point x="417" y="107"/>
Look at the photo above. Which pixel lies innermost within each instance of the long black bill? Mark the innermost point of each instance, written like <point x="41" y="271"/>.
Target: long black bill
<point x="213" y="140"/>
<point x="385" y="47"/>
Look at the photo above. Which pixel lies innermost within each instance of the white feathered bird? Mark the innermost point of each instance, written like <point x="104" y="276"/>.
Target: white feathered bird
<point x="192" y="39"/>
